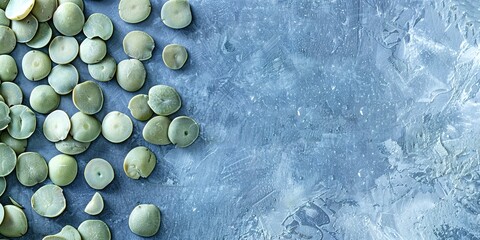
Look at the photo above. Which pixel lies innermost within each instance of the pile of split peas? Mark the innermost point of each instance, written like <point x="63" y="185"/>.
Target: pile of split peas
<point x="31" y="22"/>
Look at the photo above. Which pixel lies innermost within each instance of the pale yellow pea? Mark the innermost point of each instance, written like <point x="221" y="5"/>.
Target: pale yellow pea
<point x="3" y="3"/>
<point x="23" y="122"/>
<point x="134" y="11"/>
<point x="3" y="185"/>
<point x="174" y="56"/>
<point x="18" y="9"/>
<point x="68" y="19"/>
<point x="156" y="131"/>
<point x="183" y="131"/>
<point x="139" y="162"/>
<point x="94" y="230"/>
<point x="4" y="116"/>
<point x="8" y="160"/>
<point x="144" y="220"/>
<point x="98" y="173"/>
<point x="95" y="206"/>
<point x="104" y="70"/>
<point x="79" y="3"/>
<point x="69" y="233"/>
<point x="63" y="49"/>
<point x="88" y="97"/>
<point x="92" y="50"/>
<point x="42" y="37"/>
<point x="49" y="201"/>
<point x="116" y="127"/>
<point x="164" y="100"/>
<point x="25" y="29"/>
<point x="56" y="126"/>
<point x="14" y="223"/>
<point x="138" y="45"/>
<point x="139" y="108"/>
<point x="8" y="40"/>
<point x="31" y="169"/>
<point x="62" y="169"/>
<point x="18" y="146"/>
<point x="43" y="9"/>
<point x="71" y="146"/>
<point x="131" y="74"/>
<point x="63" y="78"/>
<point x="85" y="128"/>
<point x="36" y="65"/>
<point x="98" y="25"/>
<point x="44" y="99"/>
<point x="176" y="14"/>
<point x="53" y="237"/>
<point x="9" y="70"/>
<point x="4" y="21"/>
<point x="11" y="93"/>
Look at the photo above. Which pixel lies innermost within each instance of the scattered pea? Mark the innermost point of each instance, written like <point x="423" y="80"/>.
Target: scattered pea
<point x="131" y="74"/>
<point x="71" y="146"/>
<point x="25" y="29"/>
<point x="92" y="50"/>
<point x="138" y="45"/>
<point x="11" y="93"/>
<point x="4" y="116"/>
<point x="174" y="56"/>
<point x="2" y="213"/>
<point x="63" y="49"/>
<point x="3" y="3"/>
<point x="9" y="70"/>
<point x="53" y="237"/>
<point x="98" y="173"/>
<point x="8" y="160"/>
<point x="164" y="100"/>
<point x="95" y="206"/>
<point x="156" y="130"/>
<point x="49" y="201"/>
<point x="85" y="128"/>
<point x="4" y="21"/>
<point x="176" y="14"/>
<point x="79" y="3"/>
<point x="56" y="126"/>
<point x="8" y="40"/>
<point x="139" y="108"/>
<point x="18" y="9"/>
<point x="44" y="99"/>
<point x="94" y="230"/>
<point x="98" y="25"/>
<point x="42" y="37"/>
<point x="15" y="203"/>
<point x="104" y="70"/>
<point x="3" y="186"/>
<point x="69" y="233"/>
<point x="31" y="169"/>
<point x="14" y="223"/>
<point x="23" y="122"/>
<point x="88" y="97"/>
<point x="144" y="220"/>
<point x="68" y="19"/>
<point x="139" y="162"/>
<point x="43" y="9"/>
<point x="134" y="11"/>
<point x="116" y="127"/>
<point x="18" y="146"/>
<point x="36" y="65"/>
<point x="63" y="78"/>
<point x="62" y="169"/>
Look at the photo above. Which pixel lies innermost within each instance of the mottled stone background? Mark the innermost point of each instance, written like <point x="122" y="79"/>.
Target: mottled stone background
<point x="320" y="119"/>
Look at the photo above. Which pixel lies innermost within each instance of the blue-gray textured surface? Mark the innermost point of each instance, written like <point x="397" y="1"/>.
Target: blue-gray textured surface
<point x="320" y="119"/>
